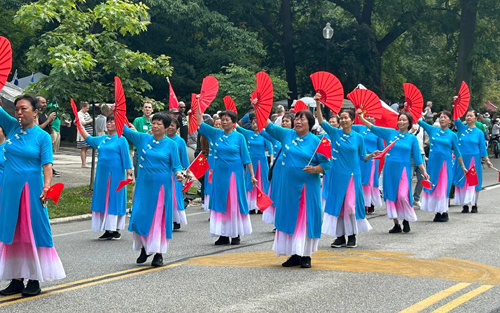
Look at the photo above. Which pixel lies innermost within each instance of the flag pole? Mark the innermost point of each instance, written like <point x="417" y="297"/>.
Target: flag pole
<point x="314" y="152"/>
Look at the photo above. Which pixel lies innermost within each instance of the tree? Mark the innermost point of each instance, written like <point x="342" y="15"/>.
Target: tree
<point x="79" y="44"/>
<point x="466" y="41"/>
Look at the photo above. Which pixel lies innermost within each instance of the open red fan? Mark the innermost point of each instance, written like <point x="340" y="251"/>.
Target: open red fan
<point x="427" y="184"/>
<point x="414" y="101"/>
<point x="77" y="119"/>
<point x="229" y="104"/>
<point x="5" y="60"/>
<point x="264" y="95"/>
<point x="299" y="106"/>
<point x="120" y="111"/>
<point x="193" y="122"/>
<point x="367" y="101"/>
<point x="123" y="183"/>
<point x="462" y="103"/>
<point x="54" y="192"/>
<point x="330" y="88"/>
<point x="209" y="88"/>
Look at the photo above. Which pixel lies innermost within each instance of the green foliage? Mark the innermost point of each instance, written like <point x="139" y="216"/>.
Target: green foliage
<point x="80" y="46"/>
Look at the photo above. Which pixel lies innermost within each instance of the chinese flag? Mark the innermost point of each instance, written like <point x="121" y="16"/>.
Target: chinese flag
<point x="384" y="152"/>
<point x="263" y="201"/>
<point x="199" y="166"/>
<point x="187" y="186"/>
<point x="54" y="192"/>
<point x="172" y="99"/>
<point x="325" y="147"/>
<point x="210" y="172"/>
<point x="471" y="177"/>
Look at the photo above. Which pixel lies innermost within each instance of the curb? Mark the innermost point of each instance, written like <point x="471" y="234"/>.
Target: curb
<point x="61" y="220"/>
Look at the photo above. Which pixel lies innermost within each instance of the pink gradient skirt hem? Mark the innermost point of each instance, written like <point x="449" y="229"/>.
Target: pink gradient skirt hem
<point x="401" y="209"/>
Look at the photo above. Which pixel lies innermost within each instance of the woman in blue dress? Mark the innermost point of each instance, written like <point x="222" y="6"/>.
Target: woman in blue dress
<point x="151" y="220"/>
<point x="334" y="122"/>
<point x="26" y="247"/>
<point x="472" y="144"/>
<point x="108" y="206"/>
<point x="228" y="205"/>
<point x="443" y="142"/>
<point x="298" y="203"/>
<point x="345" y="213"/>
<point x="370" y="170"/>
<point x="268" y="215"/>
<point x="397" y="170"/>
<point x="179" y="213"/>
<point x="2" y="154"/>
<point x="257" y="147"/>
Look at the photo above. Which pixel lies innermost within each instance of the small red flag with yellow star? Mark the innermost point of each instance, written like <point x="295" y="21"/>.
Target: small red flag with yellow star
<point x="263" y="201"/>
<point x="471" y="176"/>
<point x="325" y="147"/>
<point x="199" y="166"/>
<point x="173" y="103"/>
<point x="187" y="185"/>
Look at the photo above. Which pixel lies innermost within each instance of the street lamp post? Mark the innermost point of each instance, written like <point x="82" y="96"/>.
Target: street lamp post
<point x="327" y="34"/>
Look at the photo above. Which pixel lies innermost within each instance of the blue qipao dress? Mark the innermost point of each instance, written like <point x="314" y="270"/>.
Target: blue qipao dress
<point x="397" y="172"/>
<point x="345" y="212"/>
<point x="439" y="167"/>
<point x="298" y="204"/>
<point x="151" y="221"/>
<point x="257" y="146"/>
<point x="228" y="205"/>
<point x="179" y="213"/>
<point x="26" y="247"/>
<point x="370" y="170"/>
<point x="270" y="212"/>
<point x="108" y="206"/>
<point x="207" y="189"/>
<point x="472" y="144"/>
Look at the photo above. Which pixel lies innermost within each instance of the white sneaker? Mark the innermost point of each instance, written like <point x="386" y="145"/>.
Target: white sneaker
<point x="416" y="204"/>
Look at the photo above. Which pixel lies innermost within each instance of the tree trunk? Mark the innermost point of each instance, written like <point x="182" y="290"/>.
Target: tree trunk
<point x="288" y="50"/>
<point x="466" y="41"/>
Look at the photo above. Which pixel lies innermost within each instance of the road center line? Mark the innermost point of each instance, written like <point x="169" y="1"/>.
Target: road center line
<point x="417" y="307"/>
<point x="462" y="299"/>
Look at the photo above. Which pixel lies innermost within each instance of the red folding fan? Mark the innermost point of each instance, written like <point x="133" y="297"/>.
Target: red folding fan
<point x="367" y="101"/>
<point x="193" y="121"/>
<point x="462" y="103"/>
<point x="123" y="183"/>
<point x="414" y="101"/>
<point x="229" y="104"/>
<point x="330" y="88"/>
<point x="264" y="95"/>
<point x="120" y="111"/>
<point x="209" y="88"/>
<point x="5" y="60"/>
<point x="299" y="106"/>
<point x="77" y="119"/>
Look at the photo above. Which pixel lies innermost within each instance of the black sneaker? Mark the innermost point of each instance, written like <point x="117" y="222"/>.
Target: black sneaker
<point x="474" y="209"/>
<point x="55" y="173"/>
<point x="351" y="241"/>
<point x="143" y="257"/>
<point x="294" y="260"/>
<point x="437" y="217"/>
<point x="116" y="235"/>
<point x="251" y="212"/>
<point x="157" y="260"/>
<point x="223" y="240"/>
<point x="465" y="209"/>
<point x="339" y="242"/>
<point x="258" y="211"/>
<point x="235" y="241"/>
<point x="32" y="288"/>
<point x="395" y="229"/>
<point x="177" y="225"/>
<point x="106" y="236"/>
<point x="444" y="217"/>
<point x="406" y="226"/>
<point x="371" y="209"/>
<point x="15" y="286"/>
<point x="305" y="262"/>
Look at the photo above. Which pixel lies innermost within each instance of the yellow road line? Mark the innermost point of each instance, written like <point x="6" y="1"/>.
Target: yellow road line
<point x="417" y="307"/>
<point x="88" y="282"/>
<point x="462" y="299"/>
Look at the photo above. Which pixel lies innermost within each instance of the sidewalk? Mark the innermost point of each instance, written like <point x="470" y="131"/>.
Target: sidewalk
<point x="67" y="162"/>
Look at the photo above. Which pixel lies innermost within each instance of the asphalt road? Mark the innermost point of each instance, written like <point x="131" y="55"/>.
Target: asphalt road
<point x="437" y="267"/>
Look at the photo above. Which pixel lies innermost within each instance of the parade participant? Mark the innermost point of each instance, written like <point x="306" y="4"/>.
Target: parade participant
<point x="472" y="144"/>
<point x="397" y="169"/>
<point x="298" y="207"/>
<point x="257" y="146"/>
<point x="151" y="221"/>
<point x="26" y="247"/>
<point x="179" y="214"/>
<point x="334" y="121"/>
<point x="345" y="212"/>
<point x="2" y="154"/>
<point x="440" y="166"/>
<point x="108" y="206"/>
<point x="370" y="170"/>
<point x="276" y="169"/>
<point x="228" y="206"/>
<point x="217" y="123"/>
<point x="86" y="122"/>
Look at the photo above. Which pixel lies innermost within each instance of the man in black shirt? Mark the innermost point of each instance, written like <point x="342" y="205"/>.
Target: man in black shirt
<point x="183" y="122"/>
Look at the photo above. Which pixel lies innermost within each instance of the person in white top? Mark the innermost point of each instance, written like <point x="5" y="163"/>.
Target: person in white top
<point x="280" y="110"/>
